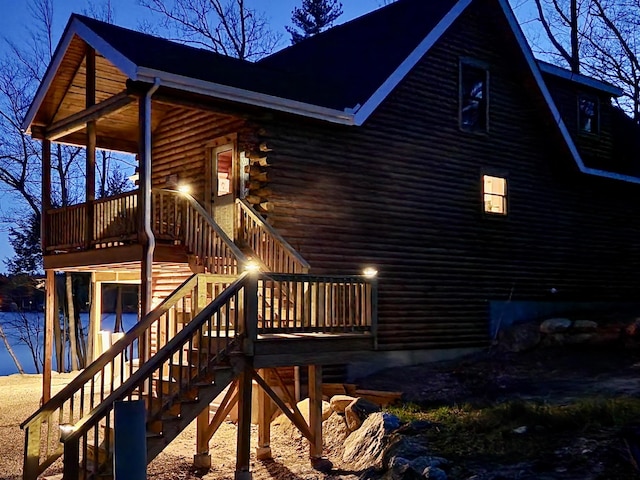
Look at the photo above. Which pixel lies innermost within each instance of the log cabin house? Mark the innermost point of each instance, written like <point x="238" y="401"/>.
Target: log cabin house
<point x="422" y="140"/>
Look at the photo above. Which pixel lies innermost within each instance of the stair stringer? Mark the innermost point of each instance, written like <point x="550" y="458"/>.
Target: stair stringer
<point x="189" y="411"/>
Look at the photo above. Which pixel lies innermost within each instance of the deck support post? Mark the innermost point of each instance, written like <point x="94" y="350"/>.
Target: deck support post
<point x="49" y="318"/>
<point x="243" y="444"/>
<point x="46" y="194"/>
<point x="202" y="458"/>
<point x="95" y="311"/>
<point x="263" y="450"/>
<point x="315" y="411"/>
<point x="91" y="147"/>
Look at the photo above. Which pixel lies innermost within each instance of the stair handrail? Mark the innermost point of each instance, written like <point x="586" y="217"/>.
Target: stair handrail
<point x="198" y="246"/>
<point x="137" y="379"/>
<point x="297" y="263"/>
<point x="116" y="349"/>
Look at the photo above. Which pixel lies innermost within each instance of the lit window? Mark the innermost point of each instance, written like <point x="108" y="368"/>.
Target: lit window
<point x="473" y="97"/>
<point x="588" y="114"/>
<point x="494" y="193"/>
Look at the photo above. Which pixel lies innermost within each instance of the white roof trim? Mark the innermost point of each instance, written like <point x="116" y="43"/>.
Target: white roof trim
<point x="533" y="64"/>
<point x="579" y="78"/>
<point x="407" y="65"/>
<point x="244" y="96"/>
<point x="76" y="27"/>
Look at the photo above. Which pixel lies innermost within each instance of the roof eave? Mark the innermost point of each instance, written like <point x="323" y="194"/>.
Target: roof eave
<point x="365" y="111"/>
<point x="580" y="79"/>
<point x="536" y="71"/>
<point x="243" y="96"/>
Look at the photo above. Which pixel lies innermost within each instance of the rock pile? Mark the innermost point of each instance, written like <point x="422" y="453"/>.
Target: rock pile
<point x="562" y="331"/>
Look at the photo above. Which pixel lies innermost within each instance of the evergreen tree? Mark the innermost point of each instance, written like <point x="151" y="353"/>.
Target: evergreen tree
<point x="313" y="17"/>
<point x="25" y="240"/>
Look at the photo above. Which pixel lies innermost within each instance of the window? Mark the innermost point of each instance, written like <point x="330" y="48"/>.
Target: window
<point x="473" y="97"/>
<point x="494" y="193"/>
<point x="588" y="114"/>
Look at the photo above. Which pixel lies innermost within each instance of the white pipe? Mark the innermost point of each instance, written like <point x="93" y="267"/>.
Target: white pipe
<point x="151" y="239"/>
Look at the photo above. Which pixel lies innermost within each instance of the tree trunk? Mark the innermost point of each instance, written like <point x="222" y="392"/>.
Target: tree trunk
<point x="575" y="55"/>
<point x="118" y="324"/>
<point x="58" y="335"/>
<point x="73" y="343"/>
<point x="10" y="350"/>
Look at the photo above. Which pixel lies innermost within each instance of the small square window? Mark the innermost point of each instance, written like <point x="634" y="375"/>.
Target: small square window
<point x="588" y="114"/>
<point x="473" y="97"/>
<point x="494" y="193"/>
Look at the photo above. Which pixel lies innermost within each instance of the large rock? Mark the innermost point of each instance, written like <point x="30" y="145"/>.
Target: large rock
<point x="405" y="448"/>
<point x="555" y="325"/>
<point x="340" y="402"/>
<point x="418" y="468"/>
<point x="434" y="473"/>
<point x="283" y="421"/>
<point x="365" y="447"/>
<point x="520" y="337"/>
<point x="584" y="326"/>
<point x="358" y="411"/>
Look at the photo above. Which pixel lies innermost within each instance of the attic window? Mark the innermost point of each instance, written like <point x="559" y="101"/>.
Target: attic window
<point x="474" y="81"/>
<point x="588" y="114"/>
<point x="494" y="193"/>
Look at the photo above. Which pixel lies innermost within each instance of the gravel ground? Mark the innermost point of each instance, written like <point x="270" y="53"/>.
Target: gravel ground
<point x="20" y="396"/>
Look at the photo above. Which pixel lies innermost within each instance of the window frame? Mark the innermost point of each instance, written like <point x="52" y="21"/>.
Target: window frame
<point x="465" y="62"/>
<point x="596" y="103"/>
<point x="495" y="174"/>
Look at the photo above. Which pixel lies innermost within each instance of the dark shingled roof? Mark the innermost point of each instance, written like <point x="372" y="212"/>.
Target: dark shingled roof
<point x="339" y="68"/>
<point x="355" y="58"/>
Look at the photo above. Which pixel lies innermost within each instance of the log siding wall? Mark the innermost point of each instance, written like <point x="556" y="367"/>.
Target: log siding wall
<point x="403" y="193"/>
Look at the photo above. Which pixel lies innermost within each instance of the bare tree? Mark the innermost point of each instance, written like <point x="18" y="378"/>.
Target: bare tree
<point x="599" y="37"/>
<point x="224" y="26"/>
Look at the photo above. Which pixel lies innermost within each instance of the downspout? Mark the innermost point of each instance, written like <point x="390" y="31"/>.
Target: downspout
<point x="151" y="239"/>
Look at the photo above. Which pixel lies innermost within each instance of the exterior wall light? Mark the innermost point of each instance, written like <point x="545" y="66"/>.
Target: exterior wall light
<point x="252" y="267"/>
<point x="66" y="429"/>
<point x="184" y="189"/>
<point x="370" y="272"/>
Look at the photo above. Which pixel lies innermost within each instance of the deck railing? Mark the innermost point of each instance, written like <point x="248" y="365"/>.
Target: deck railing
<point x="273" y="250"/>
<point x="109" y="371"/>
<point x="176" y="217"/>
<point x="316" y="304"/>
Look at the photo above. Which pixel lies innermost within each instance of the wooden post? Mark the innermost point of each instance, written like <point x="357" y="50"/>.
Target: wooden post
<point x="46" y="194"/>
<point x="95" y="316"/>
<point x="202" y="458"/>
<point x="315" y="410"/>
<point x="49" y="318"/>
<point x="243" y="444"/>
<point x="263" y="450"/>
<point x="91" y="146"/>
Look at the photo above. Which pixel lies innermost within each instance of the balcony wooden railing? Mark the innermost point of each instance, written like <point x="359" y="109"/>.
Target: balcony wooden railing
<point x="273" y="250"/>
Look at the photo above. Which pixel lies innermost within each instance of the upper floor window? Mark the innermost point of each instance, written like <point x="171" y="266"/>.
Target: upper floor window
<point x="588" y="114"/>
<point x="494" y="193"/>
<point x="474" y="89"/>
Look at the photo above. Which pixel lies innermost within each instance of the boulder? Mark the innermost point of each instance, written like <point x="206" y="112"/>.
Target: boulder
<point x="579" y="338"/>
<point x="357" y="412"/>
<point x="340" y="402"/>
<point x="283" y="421"/>
<point x="520" y="337"/>
<point x="434" y="473"/>
<point x="584" y="326"/>
<point x="555" y="325"/>
<point x="405" y="448"/>
<point x="365" y="447"/>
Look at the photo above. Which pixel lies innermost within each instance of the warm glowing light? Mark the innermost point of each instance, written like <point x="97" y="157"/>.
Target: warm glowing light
<point x="370" y="272"/>
<point x="66" y="429"/>
<point x="252" y="267"/>
<point x="185" y="189"/>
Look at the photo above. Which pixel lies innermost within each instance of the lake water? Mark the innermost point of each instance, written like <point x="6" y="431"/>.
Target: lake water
<point x="8" y="367"/>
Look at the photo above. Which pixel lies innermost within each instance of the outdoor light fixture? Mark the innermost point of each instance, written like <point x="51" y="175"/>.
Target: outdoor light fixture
<point x="370" y="272"/>
<point x="252" y="267"/>
<point x="184" y="189"/>
<point x="66" y="429"/>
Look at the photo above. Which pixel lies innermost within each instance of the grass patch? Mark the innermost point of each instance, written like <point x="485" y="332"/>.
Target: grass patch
<point x="468" y="431"/>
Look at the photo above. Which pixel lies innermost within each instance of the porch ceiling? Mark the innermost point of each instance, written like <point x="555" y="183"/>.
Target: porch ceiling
<point x="66" y="96"/>
<point x="160" y="269"/>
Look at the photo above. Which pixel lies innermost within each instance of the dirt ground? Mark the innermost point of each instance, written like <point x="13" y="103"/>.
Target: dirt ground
<point x="549" y="375"/>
